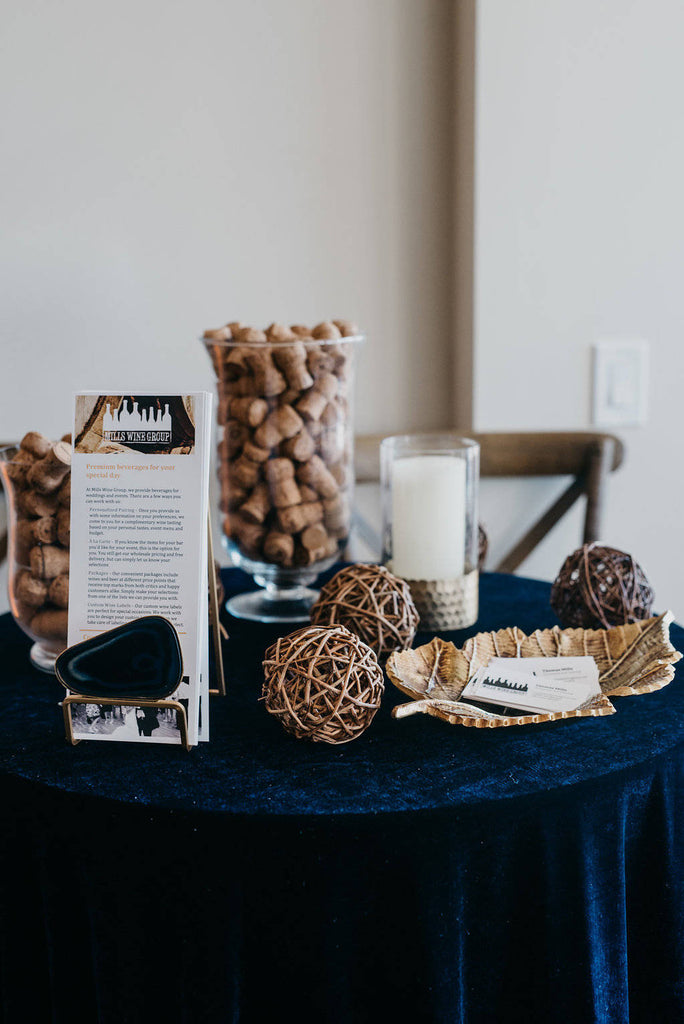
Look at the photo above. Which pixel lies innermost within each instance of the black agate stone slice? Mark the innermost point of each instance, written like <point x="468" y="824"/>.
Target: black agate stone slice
<point x="141" y="659"/>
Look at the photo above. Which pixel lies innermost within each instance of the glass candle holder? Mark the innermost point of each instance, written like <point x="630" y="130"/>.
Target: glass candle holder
<point x="285" y="464"/>
<point x="430" y="488"/>
<point x="38" y="560"/>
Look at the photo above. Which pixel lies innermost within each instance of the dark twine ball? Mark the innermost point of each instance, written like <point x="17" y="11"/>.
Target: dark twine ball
<point x="599" y="587"/>
<point x="372" y="603"/>
<point x="323" y="683"/>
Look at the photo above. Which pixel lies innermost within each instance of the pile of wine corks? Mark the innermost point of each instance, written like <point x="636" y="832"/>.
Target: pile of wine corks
<point x="285" y="448"/>
<point x="41" y="477"/>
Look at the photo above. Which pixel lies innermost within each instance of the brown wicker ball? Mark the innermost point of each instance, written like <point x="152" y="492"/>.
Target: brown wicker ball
<point x="323" y="683"/>
<point x="372" y="603"/>
<point x="599" y="587"/>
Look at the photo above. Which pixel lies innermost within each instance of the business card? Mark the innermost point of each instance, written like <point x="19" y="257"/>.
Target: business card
<point x="537" y="685"/>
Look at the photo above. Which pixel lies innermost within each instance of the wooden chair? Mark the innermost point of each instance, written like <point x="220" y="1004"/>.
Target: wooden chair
<point x="587" y="457"/>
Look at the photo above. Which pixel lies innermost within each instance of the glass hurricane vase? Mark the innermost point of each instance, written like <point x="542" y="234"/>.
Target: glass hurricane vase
<point x="285" y="462"/>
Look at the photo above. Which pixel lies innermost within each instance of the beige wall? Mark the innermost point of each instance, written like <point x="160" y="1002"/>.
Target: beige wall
<point x="169" y="166"/>
<point x="580" y="235"/>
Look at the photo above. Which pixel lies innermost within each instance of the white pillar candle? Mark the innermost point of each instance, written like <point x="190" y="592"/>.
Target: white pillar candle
<point x="428" y="517"/>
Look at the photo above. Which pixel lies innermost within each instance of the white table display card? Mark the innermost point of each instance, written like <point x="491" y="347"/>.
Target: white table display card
<point x="538" y="685"/>
<point x="139" y="513"/>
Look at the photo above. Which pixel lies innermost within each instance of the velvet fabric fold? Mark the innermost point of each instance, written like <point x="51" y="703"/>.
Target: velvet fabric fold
<point x="424" y="872"/>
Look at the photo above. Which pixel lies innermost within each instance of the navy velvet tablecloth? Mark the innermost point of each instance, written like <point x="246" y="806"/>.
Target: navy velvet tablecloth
<point x="425" y="872"/>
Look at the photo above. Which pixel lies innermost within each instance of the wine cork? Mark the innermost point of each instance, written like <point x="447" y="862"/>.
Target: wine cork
<point x="332" y="415"/>
<point x="328" y="385"/>
<point x="254" y="453"/>
<point x="315" y="428"/>
<point x="248" y="535"/>
<point x="59" y="591"/>
<point x="291" y="360"/>
<point x="300" y="447"/>
<point x="46" y="475"/>
<point x="258" y="505"/>
<point x="347" y="328"/>
<point x="50" y="624"/>
<point x="250" y="411"/>
<point x="280" y="333"/>
<point x="319" y="362"/>
<point x="341" y="473"/>
<point x="245" y="473"/>
<point x="30" y="590"/>
<point x="290" y="396"/>
<point x="326" y="330"/>
<point x="44" y="531"/>
<point x="308" y="493"/>
<point x="234" y="363"/>
<point x="23" y="457"/>
<point x="315" y="545"/>
<point x="232" y="496"/>
<point x="312" y="405"/>
<point x="63" y="526"/>
<point x="235" y="435"/>
<point x="250" y="335"/>
<point x="17" y="472"/>
<point x="218" y="334"/>
<point x="47" y="561"/>
<point x="268" y="379"/>
<point x="279" y="548"/>
<point x="337" y="515"/>
<point x="280" y="474"/>
<point x="23" y="540"/>
<point x="31" y="503"/>
<point x="330" y="445"/>
<point x="64" y="493"/>
<point x="282" y="424"/>
<point x="298" y="517"/>
<point x="317" y="475"/>
<point x="36" y="444"/>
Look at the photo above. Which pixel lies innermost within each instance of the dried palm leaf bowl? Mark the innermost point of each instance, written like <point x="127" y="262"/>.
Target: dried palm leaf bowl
<point x="632" y="659"/>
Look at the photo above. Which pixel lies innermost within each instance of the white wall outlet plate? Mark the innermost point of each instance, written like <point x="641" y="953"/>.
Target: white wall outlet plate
<point x="620" y="392"/>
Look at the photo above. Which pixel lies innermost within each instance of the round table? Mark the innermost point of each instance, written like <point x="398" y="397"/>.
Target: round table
<point x="425" y="872"/>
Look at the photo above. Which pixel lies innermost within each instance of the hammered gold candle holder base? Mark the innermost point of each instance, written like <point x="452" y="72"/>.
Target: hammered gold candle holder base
<point x="447" y="604"/>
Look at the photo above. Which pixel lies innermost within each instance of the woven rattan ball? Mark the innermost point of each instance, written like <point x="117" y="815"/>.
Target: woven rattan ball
<point x="372" y="603"/>
<point x="323" y="683"/>
<point x="598" y="587"/>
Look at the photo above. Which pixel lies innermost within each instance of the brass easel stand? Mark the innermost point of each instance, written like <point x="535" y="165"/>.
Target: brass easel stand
<point x="214" y="622"/>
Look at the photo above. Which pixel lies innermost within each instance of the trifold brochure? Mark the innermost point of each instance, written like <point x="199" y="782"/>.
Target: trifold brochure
<point x="139" y="515"/>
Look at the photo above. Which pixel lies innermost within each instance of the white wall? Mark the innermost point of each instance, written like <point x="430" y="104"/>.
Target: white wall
<point x="170" y="165"/>
<point x="579" y="234"/>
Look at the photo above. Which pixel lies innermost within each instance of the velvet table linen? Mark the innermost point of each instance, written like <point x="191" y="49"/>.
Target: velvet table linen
<point x="424" y="872"/>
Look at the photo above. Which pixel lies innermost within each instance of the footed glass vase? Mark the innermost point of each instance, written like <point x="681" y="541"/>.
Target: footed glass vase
<point x="38" y="553"/>
<point x="285" y="458"/>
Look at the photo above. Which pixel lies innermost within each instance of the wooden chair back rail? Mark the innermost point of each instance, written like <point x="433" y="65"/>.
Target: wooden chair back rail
<point x="587" y="457"/>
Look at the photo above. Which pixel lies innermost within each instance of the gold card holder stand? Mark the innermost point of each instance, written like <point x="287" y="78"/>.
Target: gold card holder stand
<point x="125" y="702"/>
<point x="217" y="632"/>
